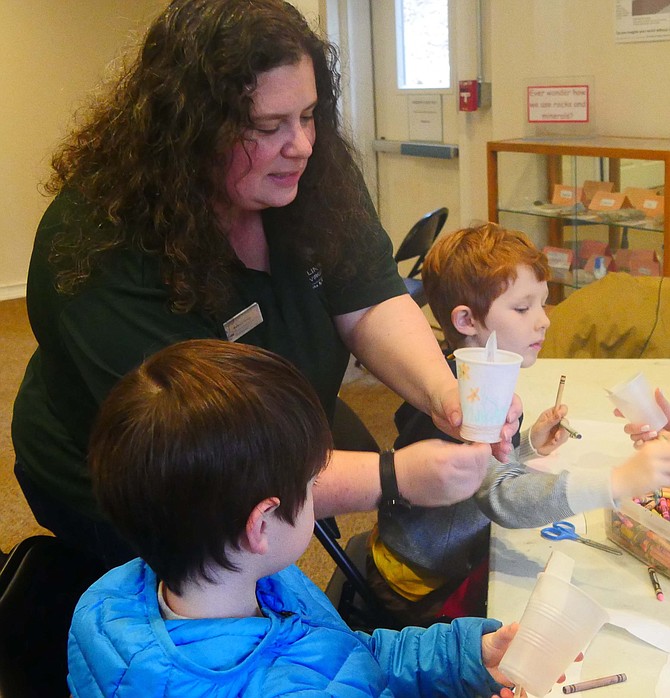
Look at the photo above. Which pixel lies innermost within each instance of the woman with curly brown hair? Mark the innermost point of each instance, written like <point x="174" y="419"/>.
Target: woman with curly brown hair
<point x="211" y="194"/>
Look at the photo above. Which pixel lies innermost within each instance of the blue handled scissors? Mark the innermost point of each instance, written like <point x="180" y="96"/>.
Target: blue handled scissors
<point x="564" y="530"/>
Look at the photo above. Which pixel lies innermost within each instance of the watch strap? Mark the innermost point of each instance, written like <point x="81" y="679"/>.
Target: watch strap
<point x="391" y="497"/>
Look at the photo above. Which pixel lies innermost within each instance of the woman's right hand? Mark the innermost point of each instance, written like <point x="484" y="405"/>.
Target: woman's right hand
<point x="640" y="433"/>
<point x="446" y="415"/>
<point x="435" y="473"/>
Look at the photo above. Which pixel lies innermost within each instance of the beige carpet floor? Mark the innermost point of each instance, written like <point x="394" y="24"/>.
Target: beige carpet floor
<point x="16" y="346"/>
<point x="373" y="402"/>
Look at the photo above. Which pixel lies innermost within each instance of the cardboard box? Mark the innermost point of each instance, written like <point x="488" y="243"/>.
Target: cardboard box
<point x="566" y="196"/>
<point x="590" y="187"/>
<point x="641" y="533"/>
<point x="639" y="267"/>
<point x="592" y="248"/>
<point x="591" y="262"/>
<point x="605" y="201"/>
<point x="567" y="199"/>
<point x="646" y="200"/>
<point x="560" y="262"/>
<point x="636" y="259"/>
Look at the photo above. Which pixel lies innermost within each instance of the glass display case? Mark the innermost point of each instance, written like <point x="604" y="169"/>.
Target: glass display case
<point x="593" y="204"/>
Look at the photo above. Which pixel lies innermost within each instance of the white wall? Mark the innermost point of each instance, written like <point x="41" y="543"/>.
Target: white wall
<point x="49" y="64"/>
<point x="52" y="52"/>
<point x="523" y="40"/>
<point x="572" y="38"/>
<point x="310" y="8"/>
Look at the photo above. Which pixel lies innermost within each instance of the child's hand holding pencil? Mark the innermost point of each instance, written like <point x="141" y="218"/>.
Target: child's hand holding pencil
<point x="564" y="423"/>
<point x="546" y="435"/>
<point x="552" y="428"/>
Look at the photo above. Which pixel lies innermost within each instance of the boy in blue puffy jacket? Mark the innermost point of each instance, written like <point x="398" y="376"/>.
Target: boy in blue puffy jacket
<point x="204" y="457"/>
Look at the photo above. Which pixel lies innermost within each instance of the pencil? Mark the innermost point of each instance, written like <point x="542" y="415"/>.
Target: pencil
<point x="559" y="394"/>
<point x="594" y="683"/>
<point x="572" y="433"/>
<point x="655" y="583"/>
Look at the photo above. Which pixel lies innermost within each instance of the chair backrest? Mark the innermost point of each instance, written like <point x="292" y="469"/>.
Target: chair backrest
<point x="40" y="584"/>
<point x="420" y="238"/>
<point x="356" y="602"/>
<point x="349" y="431"/>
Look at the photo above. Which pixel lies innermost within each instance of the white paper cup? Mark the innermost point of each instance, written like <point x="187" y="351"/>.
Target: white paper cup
<point x="486" y="389"/>
<point x="635" y="400"/>
<point x="559" y="622"/>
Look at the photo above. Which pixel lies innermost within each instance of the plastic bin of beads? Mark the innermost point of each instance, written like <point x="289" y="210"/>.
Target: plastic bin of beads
<point x="639" y="531"/>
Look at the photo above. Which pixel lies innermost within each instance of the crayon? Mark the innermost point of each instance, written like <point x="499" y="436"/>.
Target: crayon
<point x="571" y="432"/>
<point x="594" y="683"/>
<point x="655" y="583"/>
<point x="659" y="554"/>
<point x="627" y="533"/>
<point x="658" y="539"/>
<point x="559" y="394"/>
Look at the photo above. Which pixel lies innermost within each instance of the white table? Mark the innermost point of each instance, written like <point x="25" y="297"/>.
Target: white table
<point x="617" y="582"/>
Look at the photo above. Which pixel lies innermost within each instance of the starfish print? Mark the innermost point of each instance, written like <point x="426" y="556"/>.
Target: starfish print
<point x="474" y="395"/>
<point x="464" y="371"/>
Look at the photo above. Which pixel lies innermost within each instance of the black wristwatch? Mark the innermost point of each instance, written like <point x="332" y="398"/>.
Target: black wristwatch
<point x="391" y="497"/>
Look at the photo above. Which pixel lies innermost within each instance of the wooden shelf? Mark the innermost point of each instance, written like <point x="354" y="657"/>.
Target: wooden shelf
<point x="613" y="150"/>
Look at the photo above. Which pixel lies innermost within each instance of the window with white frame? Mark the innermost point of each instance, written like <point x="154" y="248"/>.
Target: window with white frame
<point x="422" y="33"/>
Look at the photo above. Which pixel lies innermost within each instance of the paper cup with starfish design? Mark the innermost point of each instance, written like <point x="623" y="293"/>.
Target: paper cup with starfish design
<point x="486" y="389"/>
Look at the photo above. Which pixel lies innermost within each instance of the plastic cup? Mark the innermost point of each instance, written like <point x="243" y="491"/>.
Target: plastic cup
<point x="486" y="389"/>
<point x="559" y="622"/>
<point x="635" y="400"/>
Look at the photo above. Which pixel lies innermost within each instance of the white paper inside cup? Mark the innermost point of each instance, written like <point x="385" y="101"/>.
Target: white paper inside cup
<point x="560" y="565"/>
<point x="560" y="621"/>
<point x="635" y="400"/>
<point x="486" y="389"/>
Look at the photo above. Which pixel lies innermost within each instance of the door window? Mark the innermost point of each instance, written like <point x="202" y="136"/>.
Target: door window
<point x="422" y="39"/>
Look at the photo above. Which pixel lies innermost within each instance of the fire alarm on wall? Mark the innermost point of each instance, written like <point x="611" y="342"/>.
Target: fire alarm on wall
<point x="473" y="95"/>
<point x="468" y="95"/>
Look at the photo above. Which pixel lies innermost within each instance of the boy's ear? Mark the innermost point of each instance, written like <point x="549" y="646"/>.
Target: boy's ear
<point x="463" y="321"/>
<point x="255" y="538"/>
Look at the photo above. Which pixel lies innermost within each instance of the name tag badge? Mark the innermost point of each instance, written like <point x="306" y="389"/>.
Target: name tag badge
<point x="243" y="322"/>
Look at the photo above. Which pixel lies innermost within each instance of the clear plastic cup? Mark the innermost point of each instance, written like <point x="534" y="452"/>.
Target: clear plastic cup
<point x="635" y="400"/>
<point x="486" y="389"/>
<point x="559" y="622"/>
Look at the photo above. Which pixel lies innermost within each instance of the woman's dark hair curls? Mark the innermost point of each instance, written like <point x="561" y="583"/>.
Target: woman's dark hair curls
<point x="141" y="165"/>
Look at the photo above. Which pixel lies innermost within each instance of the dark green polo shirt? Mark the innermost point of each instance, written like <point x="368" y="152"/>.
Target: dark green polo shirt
<point x="89" y="340"/>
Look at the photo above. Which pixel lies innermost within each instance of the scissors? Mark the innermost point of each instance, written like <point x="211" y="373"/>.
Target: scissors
<point x="564" y="530"/>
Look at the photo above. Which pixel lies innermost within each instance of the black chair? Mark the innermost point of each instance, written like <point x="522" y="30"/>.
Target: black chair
<point x="40" y="584"/>
<point x="416" y="244"/>
<point x="348" y="588"/>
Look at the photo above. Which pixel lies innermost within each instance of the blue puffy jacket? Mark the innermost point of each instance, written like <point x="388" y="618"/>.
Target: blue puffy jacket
<point x="121" y="646"/>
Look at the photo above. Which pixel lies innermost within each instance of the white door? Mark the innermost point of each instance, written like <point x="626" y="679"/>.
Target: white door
<point x="408" y="186"/>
